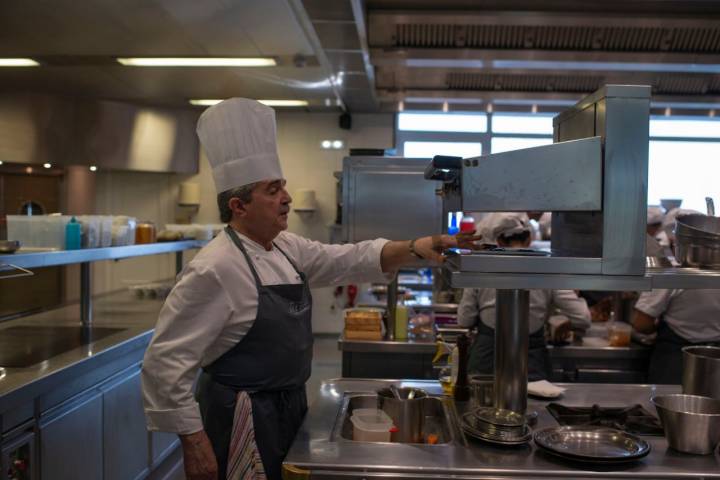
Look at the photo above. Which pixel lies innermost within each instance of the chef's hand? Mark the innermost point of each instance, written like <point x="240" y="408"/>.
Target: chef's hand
<point x="199" y="457"/>
<point x="398" y="254"/>
<point x="431" y="248"/>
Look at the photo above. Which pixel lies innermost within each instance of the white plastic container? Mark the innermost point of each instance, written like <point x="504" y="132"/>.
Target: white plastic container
<point x="371" y="427"/>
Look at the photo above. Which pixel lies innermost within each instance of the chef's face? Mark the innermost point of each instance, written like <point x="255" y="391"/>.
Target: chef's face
<point x="269" y="207"/>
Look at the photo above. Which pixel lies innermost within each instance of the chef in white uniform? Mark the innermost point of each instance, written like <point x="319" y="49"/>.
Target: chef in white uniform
<point x="681" y="318"/>
<point x="477" y="306"/>
<point x="241" y="310"/>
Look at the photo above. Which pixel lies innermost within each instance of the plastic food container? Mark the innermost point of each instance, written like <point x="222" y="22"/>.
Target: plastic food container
<point x="619" y="334"/>
<point x="371" y="427"/>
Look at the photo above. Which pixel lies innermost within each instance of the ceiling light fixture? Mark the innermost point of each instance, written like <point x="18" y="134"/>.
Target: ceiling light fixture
<point x="326" y="144"/>
<point x="196" y="62"/>
<point x="208" y="102"/>
<point x="18" y="62"/>
<point x="47" y="165"/>
<point x="1" y="162"/>
<point x="93" y="168"/>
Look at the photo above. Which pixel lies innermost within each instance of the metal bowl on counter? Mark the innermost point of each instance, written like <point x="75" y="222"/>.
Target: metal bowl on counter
<point x="697" y="241"/>
<point x="691" y="423"/>
<point x="9" y="246"/>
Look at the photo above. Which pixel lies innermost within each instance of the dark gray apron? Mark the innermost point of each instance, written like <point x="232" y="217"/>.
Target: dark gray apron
<point x="666" y="360"/>
<point x="482" y="354"/>
<point x="272" y="363"/>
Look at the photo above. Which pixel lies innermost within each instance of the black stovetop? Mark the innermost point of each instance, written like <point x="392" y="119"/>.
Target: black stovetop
<point x="632" y="419"/>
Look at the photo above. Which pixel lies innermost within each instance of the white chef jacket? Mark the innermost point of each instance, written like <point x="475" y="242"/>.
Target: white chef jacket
<point x="214" y="304"/>
<point x="692" y="314"/>
<point x="480" y="303"/>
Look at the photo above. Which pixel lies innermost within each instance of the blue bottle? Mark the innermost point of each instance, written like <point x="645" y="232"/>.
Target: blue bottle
<point x="73" y="232"/>
<point x="453" y="228"/>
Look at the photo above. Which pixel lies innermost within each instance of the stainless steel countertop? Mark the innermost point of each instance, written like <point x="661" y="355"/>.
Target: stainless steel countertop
<point x="136" y="317"/>
<point x="313" y="450"/>
<point x="569" y="351"/>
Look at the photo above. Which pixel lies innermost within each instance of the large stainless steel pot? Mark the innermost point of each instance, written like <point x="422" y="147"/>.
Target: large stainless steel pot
<point x="701" y="371"/>
<point x="697" y="241"/>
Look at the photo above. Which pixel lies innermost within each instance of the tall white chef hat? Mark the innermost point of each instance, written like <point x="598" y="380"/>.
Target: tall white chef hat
<point x="503" y="223"/>
<point x="238" y="136"/>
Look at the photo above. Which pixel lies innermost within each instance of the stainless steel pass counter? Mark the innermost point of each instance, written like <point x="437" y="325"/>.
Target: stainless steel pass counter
<point x="572" y="363"/>
<point x="319" y="451"/>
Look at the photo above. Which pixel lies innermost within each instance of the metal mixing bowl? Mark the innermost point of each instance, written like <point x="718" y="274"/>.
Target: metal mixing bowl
<point x="698" y="241"/>
<point x="691" y="423"/>
<point x="8" y="246"/>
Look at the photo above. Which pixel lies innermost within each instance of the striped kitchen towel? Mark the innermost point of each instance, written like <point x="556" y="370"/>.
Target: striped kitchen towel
<point x="244" y="462"/>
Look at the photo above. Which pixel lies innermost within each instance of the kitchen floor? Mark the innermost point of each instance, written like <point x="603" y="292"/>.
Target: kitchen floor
<point x="327" y="363"/>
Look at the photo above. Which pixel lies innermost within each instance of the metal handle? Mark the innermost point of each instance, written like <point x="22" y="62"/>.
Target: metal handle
<point x="444" y="168"/>
<point x="24" y="272"/>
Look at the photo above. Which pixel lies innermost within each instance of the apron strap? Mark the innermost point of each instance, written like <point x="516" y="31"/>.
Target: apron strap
<point x="302" y="275"/>
<point x="238" y="243"/>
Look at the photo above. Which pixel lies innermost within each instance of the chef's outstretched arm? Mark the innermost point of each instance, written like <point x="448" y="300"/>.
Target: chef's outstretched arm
<point x="396" y="254"/>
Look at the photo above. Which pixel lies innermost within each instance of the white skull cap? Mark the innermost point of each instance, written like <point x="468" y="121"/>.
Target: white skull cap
<point x="503" y="223"/>
<point x="238" y="136"/>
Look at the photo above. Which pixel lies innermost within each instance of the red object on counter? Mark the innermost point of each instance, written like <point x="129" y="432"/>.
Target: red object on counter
<point x="352" y="291"/>
<point x="467" y="224"/>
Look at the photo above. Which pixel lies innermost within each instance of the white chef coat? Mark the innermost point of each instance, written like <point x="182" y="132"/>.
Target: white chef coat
<point x="480" y="303"/>
<point x="214" y="304"/>
<point x="692" y="314"/>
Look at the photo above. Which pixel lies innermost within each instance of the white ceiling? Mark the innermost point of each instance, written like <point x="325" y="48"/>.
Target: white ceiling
<point x="365" y="55"/>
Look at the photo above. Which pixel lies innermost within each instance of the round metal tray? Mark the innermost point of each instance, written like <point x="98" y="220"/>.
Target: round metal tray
<point x="592" y="444"/>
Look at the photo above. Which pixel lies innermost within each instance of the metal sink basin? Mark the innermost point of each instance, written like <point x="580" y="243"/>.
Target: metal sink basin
<point x="439" y="414"/>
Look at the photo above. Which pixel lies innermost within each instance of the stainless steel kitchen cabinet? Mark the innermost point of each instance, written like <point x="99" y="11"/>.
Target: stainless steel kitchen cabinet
<point x="125" y="437"/>
<point x="71" y="439"/>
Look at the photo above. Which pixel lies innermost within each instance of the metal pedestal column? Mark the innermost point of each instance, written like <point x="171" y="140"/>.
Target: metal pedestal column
<point x="511" y="349"/>
<point x="86" y="294"/>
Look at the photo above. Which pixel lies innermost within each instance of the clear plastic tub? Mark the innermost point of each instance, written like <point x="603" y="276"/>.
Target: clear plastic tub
<point x="619" y="334"/>
<point x="371" y="427"/>
<point x="371" y="411"/>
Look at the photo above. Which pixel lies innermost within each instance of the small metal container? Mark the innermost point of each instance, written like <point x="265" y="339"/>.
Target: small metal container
<point x="701" y="371"/>
<point x="407" y="415"/>
<point x="8" y="246"/>
<point x="691" y="423"/>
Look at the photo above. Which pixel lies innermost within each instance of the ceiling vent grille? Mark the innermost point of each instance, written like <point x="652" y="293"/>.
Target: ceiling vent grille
<point x="631" y="39"/>
<point x="682" y="85"/>
<point x="523" y="83"/>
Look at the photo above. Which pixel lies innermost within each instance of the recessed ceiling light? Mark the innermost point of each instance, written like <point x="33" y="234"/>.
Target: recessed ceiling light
<point x="197" y="62"/>
<point x="18" y="62"/>
<point x="284" y="103"/>
<point x="326" y="144"/>
<point x="337" y="144"/>
<point x="93" y="168"/>
<point x="208" y="102"/>
<point x="1" y="162"/>
<point x="47" y="165"/>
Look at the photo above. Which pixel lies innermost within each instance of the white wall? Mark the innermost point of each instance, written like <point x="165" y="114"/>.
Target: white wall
<point x="305" y="165"/>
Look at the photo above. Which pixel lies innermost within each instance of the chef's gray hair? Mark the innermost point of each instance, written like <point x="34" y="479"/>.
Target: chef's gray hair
<point x="244" y="193"/>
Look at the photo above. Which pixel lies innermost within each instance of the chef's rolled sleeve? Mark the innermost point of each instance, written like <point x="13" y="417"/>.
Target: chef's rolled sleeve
<point x="191" y="319"/>
<point x="326" y="264"/>
<point x="654" y="303"/>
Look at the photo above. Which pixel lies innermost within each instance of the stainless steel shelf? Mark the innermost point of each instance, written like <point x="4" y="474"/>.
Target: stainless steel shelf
<point x="686" y="278"/>
<point x="67" y="257"/>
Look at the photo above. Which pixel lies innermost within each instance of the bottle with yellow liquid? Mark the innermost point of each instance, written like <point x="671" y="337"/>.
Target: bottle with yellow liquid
<point x="401" y="322"/>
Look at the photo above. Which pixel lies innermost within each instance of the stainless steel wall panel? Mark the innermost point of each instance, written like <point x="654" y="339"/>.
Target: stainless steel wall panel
<point x="388" y="197"/>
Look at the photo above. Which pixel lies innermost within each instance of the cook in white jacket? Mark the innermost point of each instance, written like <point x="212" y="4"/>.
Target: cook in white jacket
<point x="477" y="306"/>
<point x="241" y="310"/>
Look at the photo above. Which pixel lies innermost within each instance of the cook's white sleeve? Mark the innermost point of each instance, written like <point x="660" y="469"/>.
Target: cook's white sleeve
<point x="468" y="313"/>
<point x="191" y="319"/>
<point x="327" y="264"/>
<point x="573" y="307"/>
<point x="654" y="303"/>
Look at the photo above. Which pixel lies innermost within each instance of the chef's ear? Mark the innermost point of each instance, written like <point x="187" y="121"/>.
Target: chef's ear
<point x="237" y="206"/>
